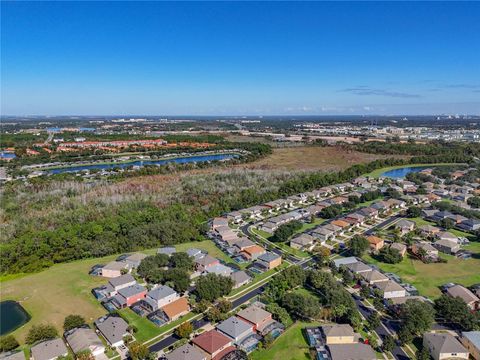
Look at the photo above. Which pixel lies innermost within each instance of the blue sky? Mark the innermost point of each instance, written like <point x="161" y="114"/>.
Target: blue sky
<point x="240" y="58"/>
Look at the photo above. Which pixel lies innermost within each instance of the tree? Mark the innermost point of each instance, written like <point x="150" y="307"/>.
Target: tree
<point x="388" y="343"/>
<point x="178" y="279"/>
<point x="182" y="260"/>
<point x="474" y="202"/>
<point x="417" y="317"/>
<point x="214" y="314"/>
<point x="279" y="314"/>
<point x="224" y="306"/>
<point x="347" y="277"/>
<point x="138" y="351"/>
<point x="389" y="255"/>
<point x="301" y="305"/>
<point x="373" y="321"/>
<point x="202" y="306"/>
<point x="422" y="354"/>
<point x="72" y="322"/>
<point x="414" y="211"/>
<point x="365" y="291"/>
<point x="213" y="286"/>
<point x="85" y="355"/>
<point x="447" y="223"/>
<point x="184" y="330"/>
<point x="405" y="335"/>
<point x="455" y="310"/>
<point x="358" y="245"/>
<point x="7" y="343"/>
<point x="285" y="231"/>
<point x="41" y="332"/>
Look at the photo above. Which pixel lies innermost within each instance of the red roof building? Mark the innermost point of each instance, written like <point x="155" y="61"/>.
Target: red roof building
<point x="212" y="342"/>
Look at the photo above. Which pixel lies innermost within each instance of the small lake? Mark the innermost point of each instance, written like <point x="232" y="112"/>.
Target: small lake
<point x="179" y="160"/>
<point x="12" y="316"/>
<point x="402" y="172"/>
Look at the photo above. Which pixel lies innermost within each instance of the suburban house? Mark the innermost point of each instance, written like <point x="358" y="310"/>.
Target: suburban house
<point x="405" y="226"/>
<point x="401" y="248"/>
<point x="240" y="278"/>
<point x="338" y="334"/>
<point x="471" y="341"/>
<point x="113" y="269"/>
<point x="253" y="252"/>
<point x="255" y="315"/>
<point x="49" y="350"/>
<point x="430" y="251"/>
<point x="341" y="224"/>
<point x="269" y="260"/>
<point x="113" y="329"/>
<point x="390" y="289"/>
<point x="213" y="343"/>
<point x="445" y="235"/>
<point x="429" y="230"/>
<point x="84" y="338"/>
<point x="187" y="352"/>
<point x="205" y="262"/>
<point x="13" y="355"/>
<point x="376" y="243"/>
<point x="134" y="260"/>
<point x="219" y="269"/>
<point x="344" y="261"/>
<point x="466" y="295"/>
<point x="447" y="246"/>
<point x="159" y="297"/>
<point x="373" y="277"/>
<point x="236" y="329"/>
<point x="355" y="219"/>
<point x="129" y="295"/>
<point x="358" y="267"/>
<point x="194" y="252"/>
<point x="219" y="221"/>
<point x="356" y="351"/>
<point x="369" y="212"/>
<point x="176" y="309"/>
<point x="322" y="233"/>
<point x="303" y="241"/>
<point x="444" y="346"/>
<point x="469" y="225"/>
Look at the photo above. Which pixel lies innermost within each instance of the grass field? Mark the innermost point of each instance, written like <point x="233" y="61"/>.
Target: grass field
<point x="312" y="158"/>
<point x="49" y="296"/>
<point x="290" y="345"/>
<point x="428" y="277"/>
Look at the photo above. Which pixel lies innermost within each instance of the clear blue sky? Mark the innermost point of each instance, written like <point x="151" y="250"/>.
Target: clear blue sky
<point x="240" y="58"/>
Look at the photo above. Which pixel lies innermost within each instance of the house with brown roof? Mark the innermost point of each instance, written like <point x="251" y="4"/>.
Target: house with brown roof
<point x="252" y="252"/>
<point x="341" y="224"/>
<point x="428" y="230"/>
<point x="375" y="242"/>
<point x="204" y="262"/>
<point x="212" y="342"/>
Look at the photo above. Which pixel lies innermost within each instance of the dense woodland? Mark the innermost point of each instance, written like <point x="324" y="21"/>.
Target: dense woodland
<point x="56" y="221"/>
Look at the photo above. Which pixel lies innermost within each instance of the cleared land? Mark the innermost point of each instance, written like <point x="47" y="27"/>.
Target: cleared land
<point x="312" y="158"/>
<point x="290" y="345"/>
<point x="427" y="278"/>
<point x="64" y="289"/>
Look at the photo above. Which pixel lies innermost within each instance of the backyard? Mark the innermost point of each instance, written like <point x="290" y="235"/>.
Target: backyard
<point x="290" y="345"/>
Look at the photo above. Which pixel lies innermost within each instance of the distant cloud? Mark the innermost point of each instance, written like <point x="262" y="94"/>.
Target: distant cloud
<point x="462" y="86"/>
<point x="367" y="91"/>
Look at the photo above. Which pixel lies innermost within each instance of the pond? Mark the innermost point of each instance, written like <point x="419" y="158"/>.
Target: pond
<point x="402" y="172"/>
<point x="12" y="316"/>
<point x="178" y="160"/>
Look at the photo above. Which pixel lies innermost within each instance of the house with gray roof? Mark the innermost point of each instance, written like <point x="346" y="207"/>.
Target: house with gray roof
<point x="356" y="351"/>
<point x="344" y="261"/>
<point x="133" y="261"/>
<point x="471" y="341"/>
<point x="194" y="252"/>
<point x="84" y="339"/>
<point x="186" y="352"/>
<point x="444" y="346"/>
<point x="219" y="269"/>
<point x="159" y="297"/>
<point x="240" y="278"/>
<point x="49" y="350"/>
<point x="358" y="267"/>
<point x="13" y="355"/>
<point x="447" y="246"/>
<point x="121" y="282"/>
<point x="235" y="328"/>
<point x="113" y="329"/>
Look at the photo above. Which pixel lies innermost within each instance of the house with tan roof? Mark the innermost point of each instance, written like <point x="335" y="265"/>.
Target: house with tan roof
<point x="255" y="315"/>
<point x="401" y="248"/>
<point x="390" y="289"/>
<point x="176" y="309"/>
<point x="373" y="277"/>
<point x="338" y="334"/>
<point x="252" y="252"/>
<point x="375" y="242"/>
<point x="303" y="241"/>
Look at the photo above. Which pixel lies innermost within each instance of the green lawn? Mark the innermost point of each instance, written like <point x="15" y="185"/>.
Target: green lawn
<point x="290" y="345"/>
<point x="64" y="289"/>
<point x="259" y="278"/>
<point x="428" y="277"/>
